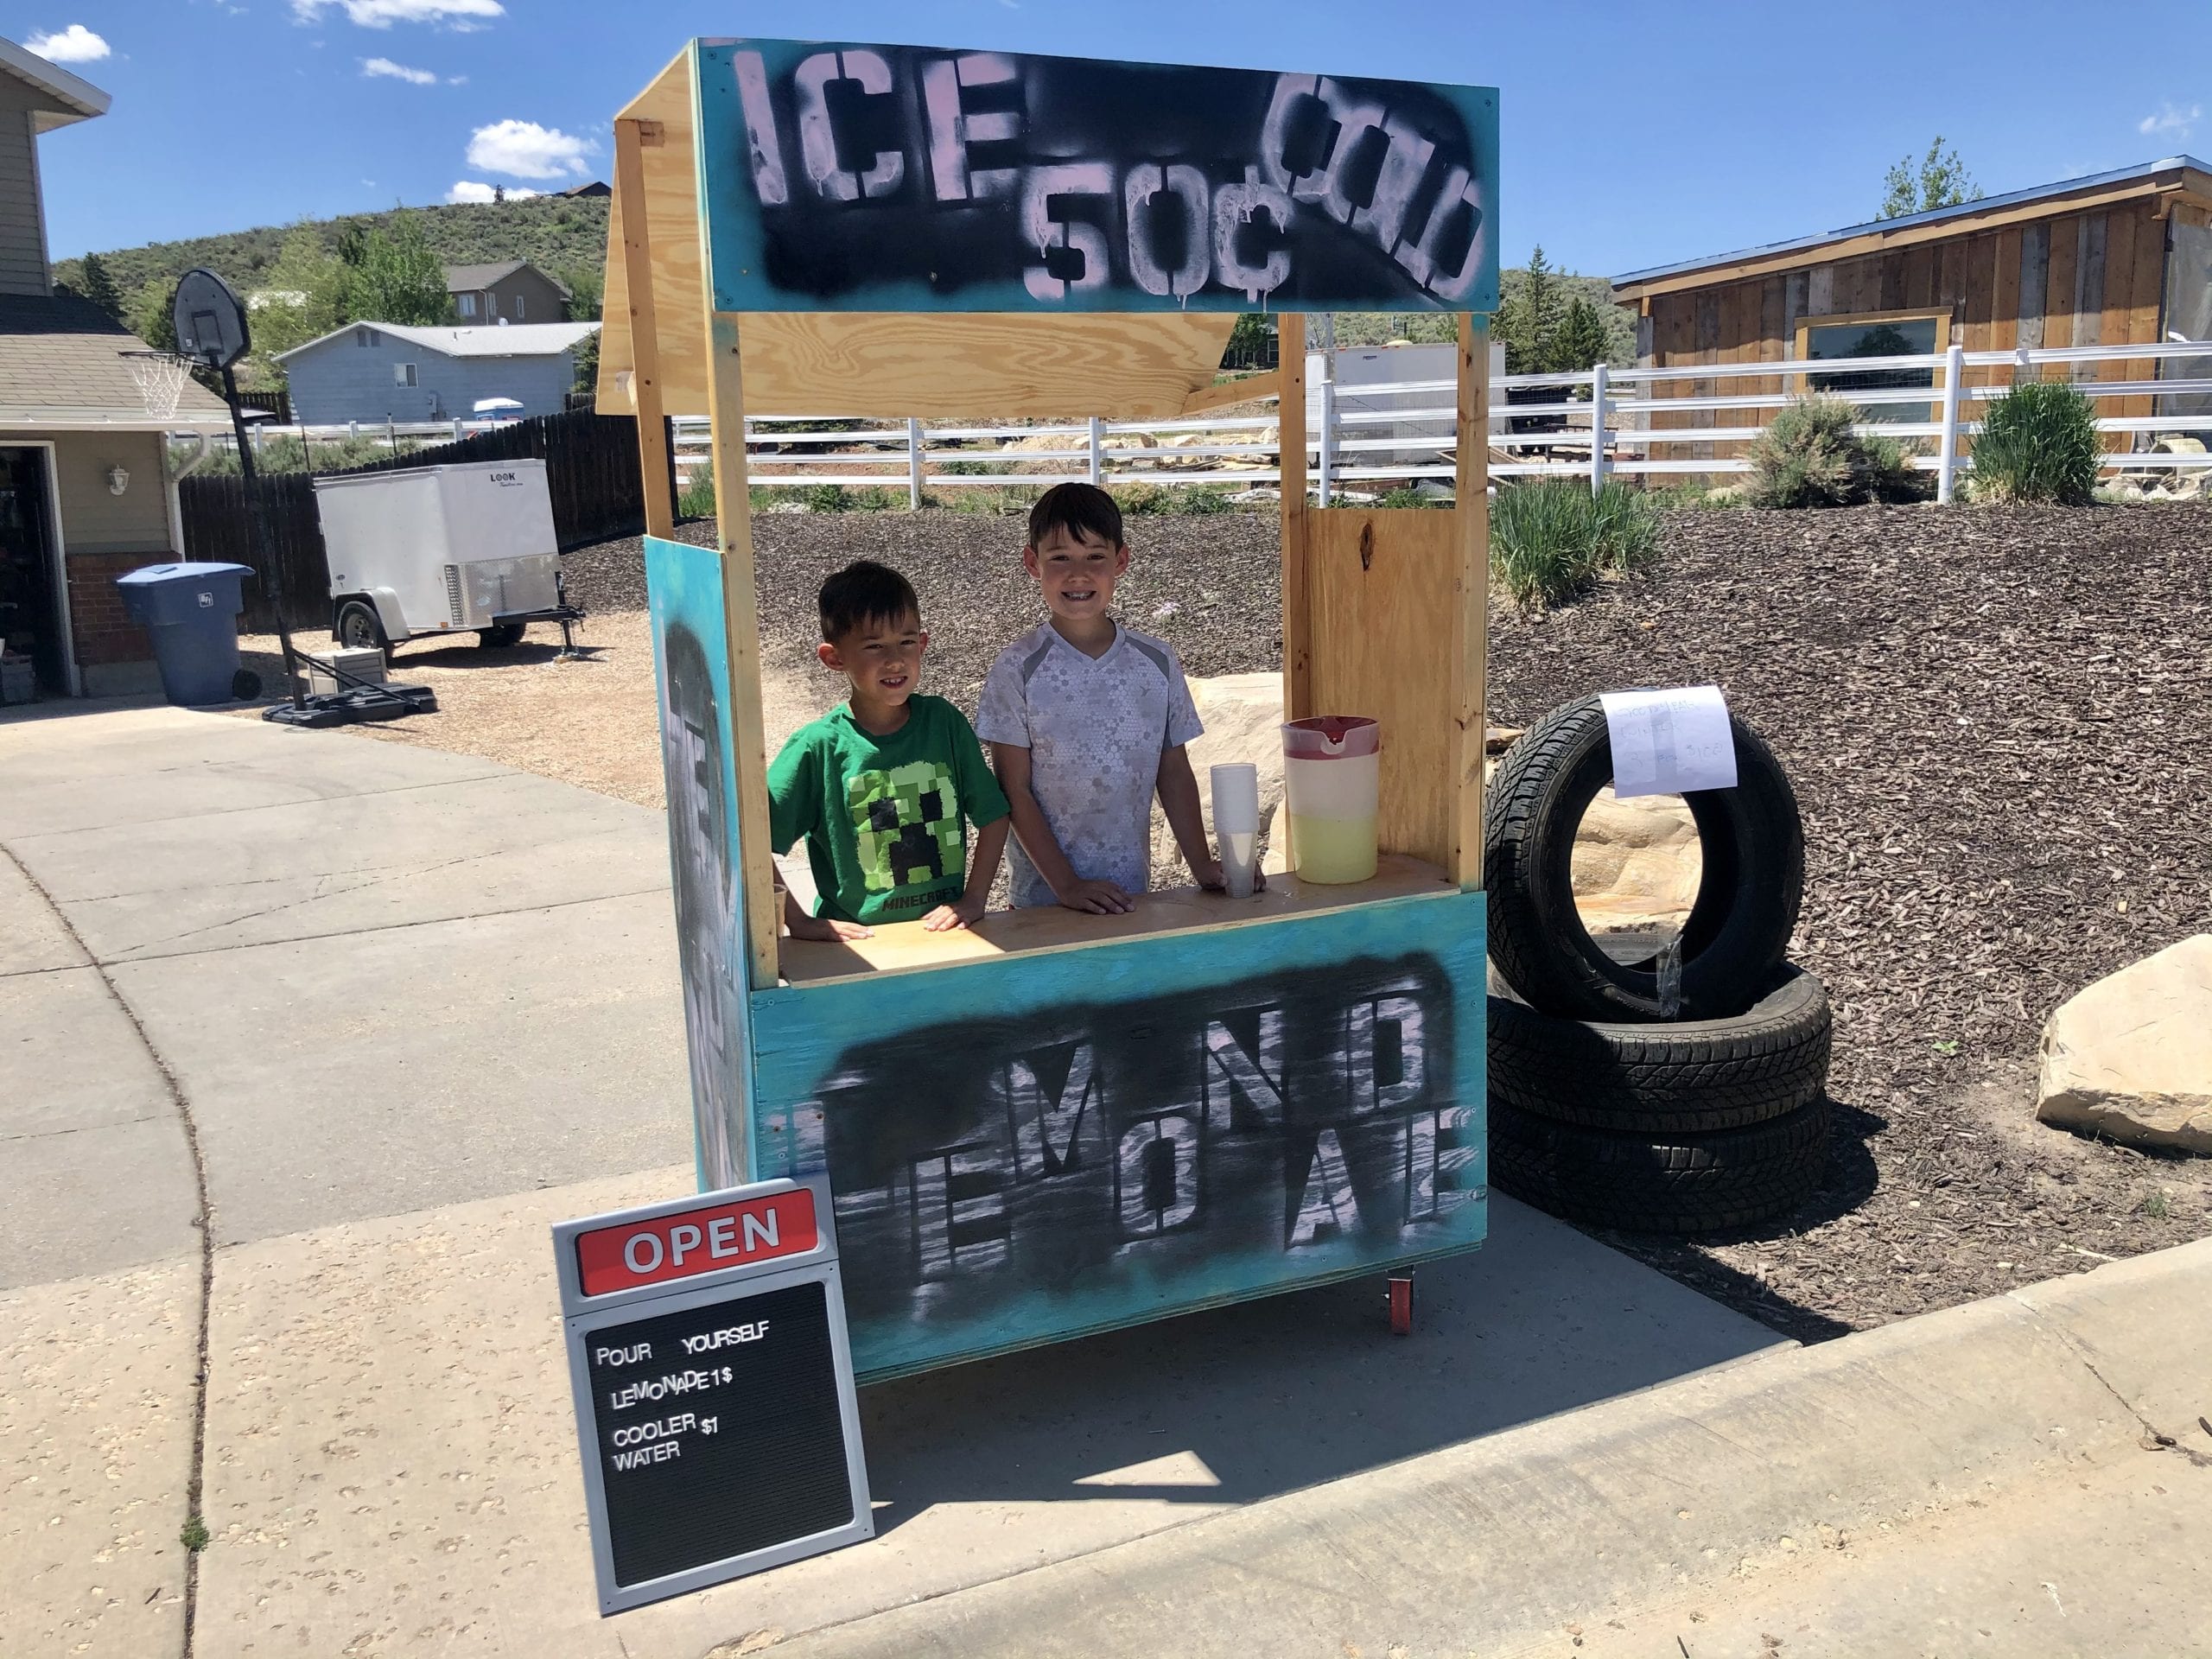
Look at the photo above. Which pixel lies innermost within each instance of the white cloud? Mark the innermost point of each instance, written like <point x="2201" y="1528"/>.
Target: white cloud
<point x="477" y="191"/>
<point x="456" y="80"/>
<point x="376" y="67"/>
<point x="75" y="44"/>
<point x="462" y="14"/>
<point x="526" y="150"/>
<point x="2170" y="122"/>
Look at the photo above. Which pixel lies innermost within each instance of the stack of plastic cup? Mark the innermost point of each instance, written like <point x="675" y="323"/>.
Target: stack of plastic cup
<point x="1237" y="824"/>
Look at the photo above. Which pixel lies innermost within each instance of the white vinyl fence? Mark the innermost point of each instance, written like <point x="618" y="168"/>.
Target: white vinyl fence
<point x="1379" y="445"/>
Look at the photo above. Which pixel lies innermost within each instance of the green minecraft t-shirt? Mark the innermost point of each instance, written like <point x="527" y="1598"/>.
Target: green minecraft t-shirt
<point x="885" y="818"/>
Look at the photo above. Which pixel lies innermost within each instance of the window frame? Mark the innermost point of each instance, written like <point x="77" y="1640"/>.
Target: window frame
<point x="518" y="307"/>
<point x="403" y="377"/>
<point x="1801" y="348"/>
<point x="465" y="304"/>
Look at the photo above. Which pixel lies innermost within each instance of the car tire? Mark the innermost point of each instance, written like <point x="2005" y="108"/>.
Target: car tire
<point x="500" y="635"/>
<point x="1690" y="1078"/>
<point x="1753" y="849"/>
<point x="1680" y="1183"/>
<point x="357" y="627"/>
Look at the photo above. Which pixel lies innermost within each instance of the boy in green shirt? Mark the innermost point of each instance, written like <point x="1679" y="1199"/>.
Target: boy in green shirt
<point x="883" y="787"/>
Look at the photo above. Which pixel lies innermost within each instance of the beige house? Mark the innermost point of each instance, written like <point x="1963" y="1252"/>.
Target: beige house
<point x="85" y="488"/>
<point x="514" y="290"/>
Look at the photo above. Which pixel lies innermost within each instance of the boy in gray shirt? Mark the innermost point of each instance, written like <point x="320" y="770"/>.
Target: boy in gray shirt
<point x="1086" y="720"/>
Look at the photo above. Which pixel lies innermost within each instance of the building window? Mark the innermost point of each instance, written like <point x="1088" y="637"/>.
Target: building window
<point x="403" y="374"/>
<point x="1875" y="333"/>
<point x="365" y="337"/>
<point x="518" y="308"/>
<point x="468" y="305"/>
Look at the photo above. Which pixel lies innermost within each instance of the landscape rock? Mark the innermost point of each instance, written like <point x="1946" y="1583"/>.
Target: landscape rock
<point x="2130" y="1058"/>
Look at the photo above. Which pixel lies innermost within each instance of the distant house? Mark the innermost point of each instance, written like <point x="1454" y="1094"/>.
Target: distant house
<point x="596" y="187"/>
<point x="513" y="290"/>
<point x="86" y="489"/>
<point x="384" y="370"/>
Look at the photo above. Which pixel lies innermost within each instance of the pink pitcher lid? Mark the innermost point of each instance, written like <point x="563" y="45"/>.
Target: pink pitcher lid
<point x="1331" y="737"/>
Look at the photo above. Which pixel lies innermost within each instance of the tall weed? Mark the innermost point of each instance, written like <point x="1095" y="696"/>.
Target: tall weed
<point x="1551" y="538"/>
<point x="2038" y="443"/>
<point x="1809" y="456"/>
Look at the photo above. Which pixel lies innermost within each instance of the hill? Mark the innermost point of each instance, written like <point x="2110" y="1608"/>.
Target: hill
<point x="560" y="235"/>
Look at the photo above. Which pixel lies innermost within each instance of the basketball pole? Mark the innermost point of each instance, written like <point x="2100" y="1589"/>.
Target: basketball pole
<point x="272" y="582"/>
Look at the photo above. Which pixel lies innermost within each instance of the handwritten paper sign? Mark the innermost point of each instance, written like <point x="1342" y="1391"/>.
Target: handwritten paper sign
<point x="1670" y="741"/>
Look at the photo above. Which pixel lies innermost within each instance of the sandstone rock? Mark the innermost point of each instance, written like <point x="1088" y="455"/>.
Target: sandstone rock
<point x="2131" y="1056"/>
<point x="1243" y="713"/>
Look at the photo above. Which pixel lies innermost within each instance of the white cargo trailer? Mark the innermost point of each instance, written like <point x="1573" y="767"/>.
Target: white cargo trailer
<point x="467" y="546"/>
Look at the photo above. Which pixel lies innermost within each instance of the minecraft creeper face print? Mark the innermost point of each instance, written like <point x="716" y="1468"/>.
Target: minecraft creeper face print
<point x="905" y="819"/>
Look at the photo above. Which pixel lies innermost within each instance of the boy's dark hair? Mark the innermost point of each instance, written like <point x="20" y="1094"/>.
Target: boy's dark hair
<point x="865" y="592"/>
<point x="1079" y="509"/>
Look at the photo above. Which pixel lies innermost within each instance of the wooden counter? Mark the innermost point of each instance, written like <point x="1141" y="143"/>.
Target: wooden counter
<point x="905" y="947"/>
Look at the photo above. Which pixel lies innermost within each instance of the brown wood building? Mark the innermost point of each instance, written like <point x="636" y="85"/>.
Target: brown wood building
<point x="2120" y="258"/>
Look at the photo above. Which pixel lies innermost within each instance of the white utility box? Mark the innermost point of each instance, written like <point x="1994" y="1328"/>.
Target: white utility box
<point x="441" y="549"/>
<point x="347" y="667"/>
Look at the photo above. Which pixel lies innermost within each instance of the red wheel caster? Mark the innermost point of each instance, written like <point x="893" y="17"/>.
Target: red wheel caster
<point x="1401" y="1304"/>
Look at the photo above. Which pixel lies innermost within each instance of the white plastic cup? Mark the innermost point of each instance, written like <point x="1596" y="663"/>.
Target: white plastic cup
<point x="1237" y="824"/>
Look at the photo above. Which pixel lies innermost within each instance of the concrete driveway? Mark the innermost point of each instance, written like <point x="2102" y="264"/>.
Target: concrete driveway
<point x="307" y="1041"/>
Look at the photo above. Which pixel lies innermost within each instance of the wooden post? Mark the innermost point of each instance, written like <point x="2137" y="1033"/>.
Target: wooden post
<point x="630" y="143"/>
<point x="741" y="623"/>
<point x="1471" y="615"/>
<point x="1297" y="575"/>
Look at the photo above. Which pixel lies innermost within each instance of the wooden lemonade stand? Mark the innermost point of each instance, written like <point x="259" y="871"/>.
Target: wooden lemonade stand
<point x="1059" y="1123"/>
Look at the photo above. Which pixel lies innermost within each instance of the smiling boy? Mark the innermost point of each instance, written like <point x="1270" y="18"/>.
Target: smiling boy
<point x="883" y="787"/>
<point x="1087" y="720"/>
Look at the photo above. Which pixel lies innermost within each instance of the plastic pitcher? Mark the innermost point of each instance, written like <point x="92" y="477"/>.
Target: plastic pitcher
<point x="1332" y="777"/>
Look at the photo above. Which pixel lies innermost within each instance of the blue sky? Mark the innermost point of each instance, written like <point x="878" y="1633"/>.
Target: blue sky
<point x="1632" y="134"/>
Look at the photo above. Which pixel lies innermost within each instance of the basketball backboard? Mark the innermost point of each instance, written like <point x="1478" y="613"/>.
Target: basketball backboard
<point x="210" y="320"/>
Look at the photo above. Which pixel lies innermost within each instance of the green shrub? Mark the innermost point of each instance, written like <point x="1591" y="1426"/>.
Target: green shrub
<point x="1405" y="496"/>
<point x="2038" y="443"/>
<point x="824" y="498"/>
<point x="957" y="468"/>
<point x="1197" y="503"/>
<point x="1687" y="497"/>
<point x="1133" y="498"/>
<point x="1550" y="538"/>
<point x="1810" y="457"/>
<point x="697" y="498"/>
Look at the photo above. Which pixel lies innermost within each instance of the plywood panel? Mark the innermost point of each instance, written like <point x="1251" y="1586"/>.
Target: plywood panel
<point x="1470" y="630"/>
<point x="673" y="227"/>
<point x="1383" y="583"/>
<point x="1121" y="366"/>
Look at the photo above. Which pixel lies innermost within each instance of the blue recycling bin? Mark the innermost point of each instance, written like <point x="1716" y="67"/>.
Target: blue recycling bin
<point x="191" y="612"/>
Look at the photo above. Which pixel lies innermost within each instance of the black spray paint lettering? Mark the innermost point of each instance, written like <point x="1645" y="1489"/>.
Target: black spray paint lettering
<point x="1152" y="1137"/>
<point x="900" y="130"/>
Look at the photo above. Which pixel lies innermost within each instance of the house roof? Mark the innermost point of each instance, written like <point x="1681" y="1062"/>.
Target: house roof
<point x="467" y="279"/>
<point x="64" y="97"/>
<point x="2170" y="173"/>
<point x="504" y="340"/>
<point x="61" y="365"/>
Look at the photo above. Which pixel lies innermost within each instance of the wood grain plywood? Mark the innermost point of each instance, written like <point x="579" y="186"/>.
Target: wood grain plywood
<point x="672" y="226"/>
<point x="1382" y="584"/>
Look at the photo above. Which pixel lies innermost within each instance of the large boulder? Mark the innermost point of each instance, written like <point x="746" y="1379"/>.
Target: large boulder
<point x="2131" y="1056"/>
<point x="1242" y="715"/>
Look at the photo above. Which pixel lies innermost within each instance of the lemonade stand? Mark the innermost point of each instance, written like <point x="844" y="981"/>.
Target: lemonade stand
<point x="1057" y="1123"/>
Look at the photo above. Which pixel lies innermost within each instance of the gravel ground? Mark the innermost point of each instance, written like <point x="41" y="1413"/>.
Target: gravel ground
<point x="1993" y="718"/>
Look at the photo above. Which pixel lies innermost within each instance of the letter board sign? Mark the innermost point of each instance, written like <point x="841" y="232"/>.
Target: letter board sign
<point x="714" y="1388"/>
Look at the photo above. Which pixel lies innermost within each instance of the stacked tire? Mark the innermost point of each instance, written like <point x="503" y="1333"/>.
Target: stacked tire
<point x="1637" y="1094"/>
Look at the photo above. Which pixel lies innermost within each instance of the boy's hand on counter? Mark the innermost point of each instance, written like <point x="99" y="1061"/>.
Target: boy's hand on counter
<point x="826" y="931"/>
<point x="960" y="912"/>
<point x="1097" y="897"/>
<point x="1210" y="877"/>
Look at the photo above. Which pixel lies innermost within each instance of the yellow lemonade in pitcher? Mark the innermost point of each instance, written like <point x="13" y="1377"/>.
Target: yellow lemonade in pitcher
<point x="1333" y="850"/>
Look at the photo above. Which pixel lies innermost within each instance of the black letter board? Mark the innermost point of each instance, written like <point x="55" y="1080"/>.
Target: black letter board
<point x="714" y="1388"/>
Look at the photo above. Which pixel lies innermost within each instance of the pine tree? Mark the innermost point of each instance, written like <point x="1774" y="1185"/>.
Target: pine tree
<point x="100" y="287"/>
<point x="1579" y="342"/>
<point x="1529" y="314"/>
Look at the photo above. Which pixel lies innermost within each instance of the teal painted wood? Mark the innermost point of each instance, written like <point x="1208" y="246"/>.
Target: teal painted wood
<point x="1030" y="1147"/>
<point x="899" y="178"/>
<point x="683" y="585"/>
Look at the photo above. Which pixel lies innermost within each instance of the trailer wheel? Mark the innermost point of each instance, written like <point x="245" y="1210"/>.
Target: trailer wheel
<point x="358" y="627"/>
<point x="500" y="635"/>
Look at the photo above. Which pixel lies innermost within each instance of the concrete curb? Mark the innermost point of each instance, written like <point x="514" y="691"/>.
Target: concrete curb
<point x="1602" y="1510"/>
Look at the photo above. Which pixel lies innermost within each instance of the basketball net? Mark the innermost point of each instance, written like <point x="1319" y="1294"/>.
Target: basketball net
<point x="160" y="378"/>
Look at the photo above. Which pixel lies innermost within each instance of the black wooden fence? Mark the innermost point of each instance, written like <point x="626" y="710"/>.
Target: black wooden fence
<point x="591" y="470"/>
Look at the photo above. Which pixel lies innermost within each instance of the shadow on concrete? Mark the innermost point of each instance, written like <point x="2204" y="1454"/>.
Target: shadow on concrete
<point x="1244" y="1402"/>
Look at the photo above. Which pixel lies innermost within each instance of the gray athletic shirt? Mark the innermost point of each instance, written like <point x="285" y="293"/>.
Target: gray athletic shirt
<point x="1095" y="729"/>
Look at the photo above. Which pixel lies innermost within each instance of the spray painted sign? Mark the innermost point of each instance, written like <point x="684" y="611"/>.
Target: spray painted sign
<point x="896" y="178"/>
<point x="1099" y="1158"/>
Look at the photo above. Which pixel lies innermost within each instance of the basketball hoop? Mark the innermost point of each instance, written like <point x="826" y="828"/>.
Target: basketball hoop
<point x="160" y="378"/>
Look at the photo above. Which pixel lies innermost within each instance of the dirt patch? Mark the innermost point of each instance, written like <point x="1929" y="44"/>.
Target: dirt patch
<point x="1993" y="718"/>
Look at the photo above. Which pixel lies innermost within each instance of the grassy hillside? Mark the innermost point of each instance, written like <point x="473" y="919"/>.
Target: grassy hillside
<point x="557" y="235"/>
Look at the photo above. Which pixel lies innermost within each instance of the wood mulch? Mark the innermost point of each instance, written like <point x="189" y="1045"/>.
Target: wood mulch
<point x="1996" y="721"/>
